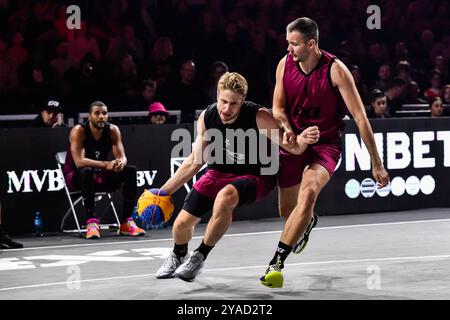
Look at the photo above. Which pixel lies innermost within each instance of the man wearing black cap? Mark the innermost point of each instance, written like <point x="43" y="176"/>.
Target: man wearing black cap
<point x="50" y="116"/>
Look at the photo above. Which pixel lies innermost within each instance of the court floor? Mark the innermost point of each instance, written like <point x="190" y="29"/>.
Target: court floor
<point x="396" y="255"/>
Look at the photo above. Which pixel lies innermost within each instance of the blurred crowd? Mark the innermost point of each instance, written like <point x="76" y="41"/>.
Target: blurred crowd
<point x="133" y="53"/>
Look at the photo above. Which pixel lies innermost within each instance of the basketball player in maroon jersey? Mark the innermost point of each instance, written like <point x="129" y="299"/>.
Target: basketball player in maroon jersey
<point x="312" y="88"/>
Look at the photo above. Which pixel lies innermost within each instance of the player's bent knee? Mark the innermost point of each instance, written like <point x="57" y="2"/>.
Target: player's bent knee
<point x="227" y="198"/>
<point x="185" y="221"/>
<point x="310" y="191"/>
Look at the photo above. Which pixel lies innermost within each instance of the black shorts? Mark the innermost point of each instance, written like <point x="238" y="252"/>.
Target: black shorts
<point x="198" y="204"/>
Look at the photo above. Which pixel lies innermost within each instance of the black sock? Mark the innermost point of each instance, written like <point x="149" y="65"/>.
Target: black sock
<point x="282" y="252"/>
<point x="180" y="250"/>
<point x="204" y="249"/>
<point x="128" y="207"/>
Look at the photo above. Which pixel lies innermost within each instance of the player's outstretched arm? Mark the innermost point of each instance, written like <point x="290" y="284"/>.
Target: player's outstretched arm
<point x="192" y="164"/>
<point x="343" y="79"/>
<point x="269" y="127"/>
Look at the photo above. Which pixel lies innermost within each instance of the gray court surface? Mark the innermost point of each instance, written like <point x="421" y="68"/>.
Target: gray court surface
<point x="400" y="255"/>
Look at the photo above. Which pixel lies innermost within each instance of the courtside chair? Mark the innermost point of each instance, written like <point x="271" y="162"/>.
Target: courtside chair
<point x="76" y="195"/>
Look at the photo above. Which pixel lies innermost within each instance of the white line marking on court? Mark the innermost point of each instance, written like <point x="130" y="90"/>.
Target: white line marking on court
<point x="226" y="269"/>
<point x="75" y="282"/>
<point x="227" y="235"/>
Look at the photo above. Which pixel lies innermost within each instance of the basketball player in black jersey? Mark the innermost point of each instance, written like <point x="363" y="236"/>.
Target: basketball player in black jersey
<point x="226" y="184"/>
<point x="87" y="168"/>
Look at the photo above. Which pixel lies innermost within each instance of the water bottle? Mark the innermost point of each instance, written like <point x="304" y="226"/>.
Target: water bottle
<point x="38" y="224"/>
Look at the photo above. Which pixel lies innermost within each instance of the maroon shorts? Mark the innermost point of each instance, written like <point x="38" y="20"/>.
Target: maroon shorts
<point x="250" y="187"/>
<point x="292" y="166"/>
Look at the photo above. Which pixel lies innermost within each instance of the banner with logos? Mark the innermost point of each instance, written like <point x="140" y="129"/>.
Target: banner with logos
<point x="416" y="153"/>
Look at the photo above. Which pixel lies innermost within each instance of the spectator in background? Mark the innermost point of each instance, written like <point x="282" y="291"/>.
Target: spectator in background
<point x="436" y="85"/>
<point x="233" y="44"/>
<point x="257" y="63"/>
<point x="16" y="51"/>
<point x="395" y="95"/>
<point x="82" y="43"/>
<point x="401" y="51"/>
<point x="218" y="68"/>
<point x="36" y="87"/>
<point x="185" y="94"/>
<point x="403" y="71"/>
<point x="85" y="84"/>
<point x="378" y="105"/>
<point x="148" y="94"/>
<point x="378" y="55"/>
<point x="126" y="81"/>
<point x="60" y="23"/>
<point x="384" y="76"/>
<point x="161" y="65"/>
<point x="50" y="116"/>
<point x="441" y="64"/>
<point x="359" y="82"/>
<point x="125" y="43"/>
<point x="8" y="69"/>
<point x="445" y="94"/>
<point x="62" y="63"/>
<point x="436" y="107"/>
<point x="413" y="94"/>
<point x="157" y="113"/>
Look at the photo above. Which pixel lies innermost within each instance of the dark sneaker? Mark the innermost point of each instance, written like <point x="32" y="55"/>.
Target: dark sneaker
<point x="301" y="244"/>
<point x="7" y="243"/>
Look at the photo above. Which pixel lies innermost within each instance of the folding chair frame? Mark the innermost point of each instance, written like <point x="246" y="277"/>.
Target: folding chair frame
<point x="60" y="159"/>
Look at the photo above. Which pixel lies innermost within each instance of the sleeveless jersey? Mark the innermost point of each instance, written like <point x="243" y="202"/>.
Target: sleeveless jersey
<point x="237" y="157"/>
<point x="95" y="150"/>
<point x="311" y="99"/>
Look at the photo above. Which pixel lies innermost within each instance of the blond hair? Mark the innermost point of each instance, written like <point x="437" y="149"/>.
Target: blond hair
<point x="233" y="81"/>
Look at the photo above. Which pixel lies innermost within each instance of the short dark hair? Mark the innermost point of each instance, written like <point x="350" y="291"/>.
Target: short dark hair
<point x="96" y="104"/>
<point x="376" y="94"/>
<point x="433" y="100"/>
<point x="403" y="65"/>
<point x="307" y="28"/>
<point x="219" y="64"/>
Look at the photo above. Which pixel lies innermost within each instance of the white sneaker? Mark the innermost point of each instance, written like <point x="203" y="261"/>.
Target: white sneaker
<point x="191" y="267"/>
<point x="169" y="266"/>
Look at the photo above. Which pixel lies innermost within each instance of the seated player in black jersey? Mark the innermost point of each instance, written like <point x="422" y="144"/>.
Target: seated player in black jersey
<point x="88" y="169"/>
<point x="232" y="178"/>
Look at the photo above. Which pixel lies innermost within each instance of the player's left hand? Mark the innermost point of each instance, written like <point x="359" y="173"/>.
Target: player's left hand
<point x="381" y="176"/>
<point x="309" y="136"/>
<point x="118" y="166"/>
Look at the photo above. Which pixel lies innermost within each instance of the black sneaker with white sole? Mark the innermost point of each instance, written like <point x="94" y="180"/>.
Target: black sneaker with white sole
<point x="7" y="243"/>
<point x="303" y="241"/>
